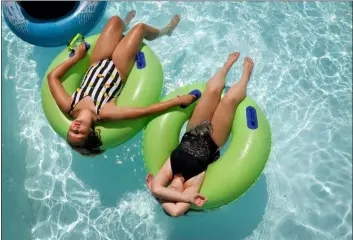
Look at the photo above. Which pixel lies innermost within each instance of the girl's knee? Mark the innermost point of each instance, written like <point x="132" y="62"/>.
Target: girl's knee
<point x="140" y="27"/>
<point x="234" y="99"/>
<point x="116" y="21"/>
<point x="213" y="90"/>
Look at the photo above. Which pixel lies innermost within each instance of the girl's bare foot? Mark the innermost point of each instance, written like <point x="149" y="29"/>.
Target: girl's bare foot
<point x="233" y="57"/>
<point x="167" y="30"/>
<point x="173" y="23"/>
<point x="129" y="17"/>
<point x="248" y="66"/>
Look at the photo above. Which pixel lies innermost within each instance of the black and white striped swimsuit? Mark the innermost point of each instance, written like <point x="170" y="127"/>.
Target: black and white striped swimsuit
<point x="101" y="82"/>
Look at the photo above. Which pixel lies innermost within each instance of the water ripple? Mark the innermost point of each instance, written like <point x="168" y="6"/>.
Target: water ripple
<point x="302" y="80"/>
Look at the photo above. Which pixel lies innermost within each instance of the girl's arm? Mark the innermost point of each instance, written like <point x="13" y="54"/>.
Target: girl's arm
<point x="61" y="97"/>
<point x="114" y="113"/>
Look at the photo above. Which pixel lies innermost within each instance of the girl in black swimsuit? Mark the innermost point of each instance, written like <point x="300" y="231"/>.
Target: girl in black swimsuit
<point x="207" y="131"/>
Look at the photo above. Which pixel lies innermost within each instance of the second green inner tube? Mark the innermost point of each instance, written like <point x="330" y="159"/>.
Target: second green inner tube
<point x="237" y="169"/>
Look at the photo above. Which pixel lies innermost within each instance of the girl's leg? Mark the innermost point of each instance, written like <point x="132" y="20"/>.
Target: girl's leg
<point x="124" y="55"/>
<point x="209" y="100"/>
<point x="224" y="114"/>
<point x="110" y="37"/>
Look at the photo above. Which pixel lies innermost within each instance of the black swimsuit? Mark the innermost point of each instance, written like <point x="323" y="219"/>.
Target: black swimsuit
<point x="195" y="152"/>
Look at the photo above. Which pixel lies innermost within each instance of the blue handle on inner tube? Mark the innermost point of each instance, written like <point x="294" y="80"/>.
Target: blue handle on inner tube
<point x="251" y="118"/>
<point x="140" y="60"/>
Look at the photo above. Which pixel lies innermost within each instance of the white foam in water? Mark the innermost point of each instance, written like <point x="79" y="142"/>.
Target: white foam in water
<point x="302" y="62"/>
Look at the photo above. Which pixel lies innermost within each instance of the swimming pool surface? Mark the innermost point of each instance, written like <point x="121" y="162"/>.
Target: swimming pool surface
<point x="302" y="80"/>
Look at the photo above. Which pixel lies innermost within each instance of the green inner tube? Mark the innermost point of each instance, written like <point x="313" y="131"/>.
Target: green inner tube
<point x="237" y="169"/>
<point x="143" y="88"/>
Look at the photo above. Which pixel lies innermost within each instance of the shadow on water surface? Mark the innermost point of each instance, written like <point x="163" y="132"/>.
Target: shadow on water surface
<point x="113" y="173"/>
<point x="112" y="181"/>
<point x="236" y="220"/>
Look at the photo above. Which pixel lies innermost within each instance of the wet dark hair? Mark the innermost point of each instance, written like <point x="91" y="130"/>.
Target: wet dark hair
<point x="91" y="146"/>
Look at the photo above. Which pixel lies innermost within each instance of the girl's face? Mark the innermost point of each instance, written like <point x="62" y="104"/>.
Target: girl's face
<point x="78" y="132"/>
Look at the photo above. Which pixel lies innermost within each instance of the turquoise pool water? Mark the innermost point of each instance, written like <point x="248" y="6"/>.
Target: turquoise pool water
<point x="302" y="80"/>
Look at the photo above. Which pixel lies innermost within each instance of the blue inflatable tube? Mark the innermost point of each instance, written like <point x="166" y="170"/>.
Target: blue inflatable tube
<point x="49" y="33"/>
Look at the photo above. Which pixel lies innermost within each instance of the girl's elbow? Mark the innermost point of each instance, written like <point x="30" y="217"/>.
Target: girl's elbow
<point x="174" y="212"/>
<point x="51" y="77"/>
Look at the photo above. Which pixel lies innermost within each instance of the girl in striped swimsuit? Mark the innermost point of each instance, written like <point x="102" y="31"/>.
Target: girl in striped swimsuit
<point x="111" y="62"/>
